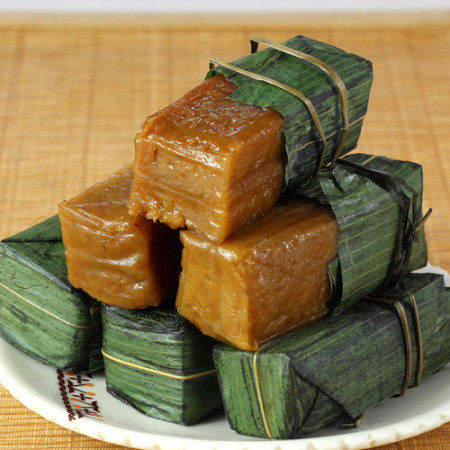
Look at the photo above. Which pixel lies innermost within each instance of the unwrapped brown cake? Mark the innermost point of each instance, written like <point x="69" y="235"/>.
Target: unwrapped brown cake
<point x="208" y="162"/>
<point x="116" y="258"/>
<point x="264" y="280"/>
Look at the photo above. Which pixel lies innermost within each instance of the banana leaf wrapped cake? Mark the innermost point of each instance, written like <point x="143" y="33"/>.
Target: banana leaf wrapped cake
<point x="321" y="91"/>
<point x="303" y="260"/>
<point x="219" y="157"/>
<point x="117" y="258"/>
<point x="40" y="312"/>
<point x="159" y="363"/>
<point x="334" y="370"/>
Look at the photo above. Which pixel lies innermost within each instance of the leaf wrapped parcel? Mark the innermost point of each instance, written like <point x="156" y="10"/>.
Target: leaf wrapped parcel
<point x="303" y="142"/>
<point x="335" y="369"/>
<point x="300" y="261"/>
<point x="159" y="363"/>
<point x="40" y="312"/>
<point x="369" y="215"/>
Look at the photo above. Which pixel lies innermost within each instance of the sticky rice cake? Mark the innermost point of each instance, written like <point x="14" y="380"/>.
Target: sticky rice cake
<point x="266" y="279"/>
<point x="208" y="162"/>
<point x="116" y="258"/>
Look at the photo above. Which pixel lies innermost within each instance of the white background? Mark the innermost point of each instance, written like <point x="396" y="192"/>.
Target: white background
<point x="222" y="5"/>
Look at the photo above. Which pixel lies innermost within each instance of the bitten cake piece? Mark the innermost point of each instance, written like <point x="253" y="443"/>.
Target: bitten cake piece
<point x="208" y="162"/>
<point x="40" y="312"/>
<point x="116" y="258"/>
<point x="267" y="278"/>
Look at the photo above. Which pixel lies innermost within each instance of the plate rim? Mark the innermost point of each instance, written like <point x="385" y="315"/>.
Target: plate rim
<point x="385" y="434"/>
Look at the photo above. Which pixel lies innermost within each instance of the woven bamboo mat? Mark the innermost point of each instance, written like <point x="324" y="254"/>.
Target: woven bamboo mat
<point x="73" y="93"/>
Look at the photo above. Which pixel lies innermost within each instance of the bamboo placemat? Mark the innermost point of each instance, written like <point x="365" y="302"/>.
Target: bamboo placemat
<point x="74" y="92"/>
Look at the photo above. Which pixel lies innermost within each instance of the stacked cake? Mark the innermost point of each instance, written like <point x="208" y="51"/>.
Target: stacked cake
<point x="242" y="260"/>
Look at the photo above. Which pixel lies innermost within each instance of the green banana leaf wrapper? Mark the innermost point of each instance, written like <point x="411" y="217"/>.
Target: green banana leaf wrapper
<point x="40" y="312"/>
<point x="332" y="371"/>
<point x="369" y="214"/>
<point x="159" y="363"/>
<point x="303" y="142"/>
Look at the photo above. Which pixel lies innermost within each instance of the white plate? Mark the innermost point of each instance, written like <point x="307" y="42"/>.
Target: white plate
<point x="47" y="392"/>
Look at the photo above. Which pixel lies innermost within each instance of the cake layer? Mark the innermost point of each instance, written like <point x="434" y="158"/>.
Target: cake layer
<point x="264" y="280"/>
<point x="114" y="257"/>
<point x="208" y="162"/>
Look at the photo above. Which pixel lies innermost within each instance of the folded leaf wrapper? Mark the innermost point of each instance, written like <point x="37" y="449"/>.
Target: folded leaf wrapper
<point x="160" y="364"/>
<point x="369" y="214"/>
<point x="40" y="312"/>
<point x="334" y="370"/>
<point x="303" y="141"/>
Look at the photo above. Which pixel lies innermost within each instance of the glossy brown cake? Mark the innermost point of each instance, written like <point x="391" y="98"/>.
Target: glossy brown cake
<point x="116" y="258"/>
<point x="208" y="162"/>
<point x="264" y="280"/>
